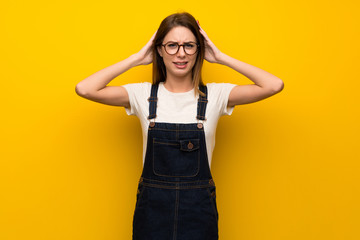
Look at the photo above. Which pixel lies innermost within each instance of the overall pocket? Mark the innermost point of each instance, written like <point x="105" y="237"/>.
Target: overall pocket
<point x="176" y="158"/>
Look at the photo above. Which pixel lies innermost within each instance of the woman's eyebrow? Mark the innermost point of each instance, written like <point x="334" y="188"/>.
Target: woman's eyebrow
<point x="178" y="42"/>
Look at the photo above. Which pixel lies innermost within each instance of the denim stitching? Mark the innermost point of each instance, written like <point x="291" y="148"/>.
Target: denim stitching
<point x="206" y="101"/>
<point x="176" y="144"/>
<point x="177" y="132"/>
<point x="152" y="101"/>
<point x="176" y="214"/>
<point x="153" y="161"/>
<point x="194" y="141"/>
<point x="152" y="109"/>
<point x="201" y="106"/>
<point x="156" y="99"/>
<point x="176" y="187"/>
<point x="205" y="183"/>
<point x="203" y="101"/>
<point x="164" y="129"/>
<point x="196" y="181"/>
<point x="200" y="110"/>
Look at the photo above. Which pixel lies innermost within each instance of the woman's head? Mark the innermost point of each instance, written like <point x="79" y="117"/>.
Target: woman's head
<point x="180" y="28"/>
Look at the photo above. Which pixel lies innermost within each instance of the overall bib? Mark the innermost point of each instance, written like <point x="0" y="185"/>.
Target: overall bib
<point x="176" y="197"/>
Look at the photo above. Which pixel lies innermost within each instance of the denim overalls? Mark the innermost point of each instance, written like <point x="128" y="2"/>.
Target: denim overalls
<point x="176" y="197"/>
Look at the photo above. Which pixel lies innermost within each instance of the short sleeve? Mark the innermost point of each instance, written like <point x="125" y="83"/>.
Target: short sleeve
<point x="136" y="95"/>
<point x="219" y="92"/>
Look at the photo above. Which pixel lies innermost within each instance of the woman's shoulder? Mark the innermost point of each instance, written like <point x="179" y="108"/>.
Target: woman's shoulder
<point x="221" y="84"/>
<point x="218" y="94"/>
<point x="219" y="87"/>
<point x="139" y="84"/>
<point x="138" y="87"/>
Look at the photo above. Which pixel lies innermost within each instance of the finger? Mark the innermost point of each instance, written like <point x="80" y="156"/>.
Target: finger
<point x="150" y="42"/>
<point x="205" y="35"/>
<point x="153" y="36"/>
<point x="203" y="32"/>
<point x="199" y="26"/>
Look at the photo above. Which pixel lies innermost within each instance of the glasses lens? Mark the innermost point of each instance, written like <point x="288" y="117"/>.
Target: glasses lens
<point x="190" y="48"/>
<point x="172" y="48"/>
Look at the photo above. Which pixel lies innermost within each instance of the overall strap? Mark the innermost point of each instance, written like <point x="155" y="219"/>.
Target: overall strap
<point x="201" y="107"/>
<point x="202" y="101"/>
<point x="153" y="101"/>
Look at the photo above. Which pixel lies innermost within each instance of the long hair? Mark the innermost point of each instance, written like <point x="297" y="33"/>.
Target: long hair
<point x="178" y="19"/>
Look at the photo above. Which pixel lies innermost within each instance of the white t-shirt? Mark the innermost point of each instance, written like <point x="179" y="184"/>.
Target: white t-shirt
<point x="180" y="108"/>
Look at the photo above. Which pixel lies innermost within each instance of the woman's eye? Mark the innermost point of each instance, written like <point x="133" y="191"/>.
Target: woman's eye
<point x="189" y="45"/>
<point x="172" y="45"/>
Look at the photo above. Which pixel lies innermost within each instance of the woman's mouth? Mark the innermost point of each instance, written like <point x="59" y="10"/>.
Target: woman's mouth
<point x="181" y="64"/>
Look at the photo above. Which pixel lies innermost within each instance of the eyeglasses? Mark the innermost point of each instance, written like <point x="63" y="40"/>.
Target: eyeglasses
<point x="172" y="48"/>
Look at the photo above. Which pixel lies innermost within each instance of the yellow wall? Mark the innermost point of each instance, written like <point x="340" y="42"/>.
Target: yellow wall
<point x="286" y="167"/>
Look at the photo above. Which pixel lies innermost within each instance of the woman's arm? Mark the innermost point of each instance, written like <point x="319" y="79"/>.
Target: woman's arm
<point x="94" y="87"/>
<point x="265" y="85"/>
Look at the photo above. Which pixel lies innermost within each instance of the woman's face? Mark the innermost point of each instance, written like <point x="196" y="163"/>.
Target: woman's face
<point x="180" y="35"/>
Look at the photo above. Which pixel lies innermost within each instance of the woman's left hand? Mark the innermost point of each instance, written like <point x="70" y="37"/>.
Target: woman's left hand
<point x="212" y="53"/>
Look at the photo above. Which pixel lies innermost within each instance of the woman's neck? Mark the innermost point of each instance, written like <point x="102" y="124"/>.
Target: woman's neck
<point x="178" y="85"/>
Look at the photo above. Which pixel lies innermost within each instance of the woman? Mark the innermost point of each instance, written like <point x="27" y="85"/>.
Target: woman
<point x="176" y="196"/>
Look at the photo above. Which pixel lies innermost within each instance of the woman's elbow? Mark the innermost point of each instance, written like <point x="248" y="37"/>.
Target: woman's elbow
<point x="80" y="91"/>
<point x="279" y="86"/>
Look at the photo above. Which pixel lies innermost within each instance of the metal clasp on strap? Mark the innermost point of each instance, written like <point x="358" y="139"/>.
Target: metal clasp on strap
<point x="200" y="124"/>
<point x="152" y="123"/>
<point x="152" y="99"/>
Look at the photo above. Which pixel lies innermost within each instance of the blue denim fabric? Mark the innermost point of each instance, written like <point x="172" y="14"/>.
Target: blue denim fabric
<point x="176" y="198"/>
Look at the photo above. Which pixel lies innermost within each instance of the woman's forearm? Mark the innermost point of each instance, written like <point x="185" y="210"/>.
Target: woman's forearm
<point x="100" y="79"/>
<point x="258" y="76"/>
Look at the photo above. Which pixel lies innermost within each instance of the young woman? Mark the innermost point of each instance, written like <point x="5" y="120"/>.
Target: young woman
<point x="176" y="197"/>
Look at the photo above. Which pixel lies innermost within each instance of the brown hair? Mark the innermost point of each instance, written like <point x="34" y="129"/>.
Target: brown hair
<point x="178" y="19"/>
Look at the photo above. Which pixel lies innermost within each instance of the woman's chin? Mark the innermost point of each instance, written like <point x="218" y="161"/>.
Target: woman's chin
<point x="179" y="73"/>
<point x="183" y="74"/>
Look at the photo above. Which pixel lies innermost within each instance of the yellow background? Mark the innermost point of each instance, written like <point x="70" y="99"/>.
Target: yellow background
<point x="286" y="167"/>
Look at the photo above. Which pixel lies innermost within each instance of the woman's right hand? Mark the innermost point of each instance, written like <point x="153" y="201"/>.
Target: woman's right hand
<point x="144" y="56"/>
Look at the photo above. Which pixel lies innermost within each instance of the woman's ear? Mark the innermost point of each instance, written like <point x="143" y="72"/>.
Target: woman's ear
<point x="159" y="50"/>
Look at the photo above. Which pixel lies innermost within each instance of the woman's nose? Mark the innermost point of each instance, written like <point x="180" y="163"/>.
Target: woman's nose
<point x="181" y="51"/>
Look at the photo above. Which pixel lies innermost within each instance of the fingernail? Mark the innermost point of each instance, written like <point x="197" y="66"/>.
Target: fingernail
<point x="198" y="22"/>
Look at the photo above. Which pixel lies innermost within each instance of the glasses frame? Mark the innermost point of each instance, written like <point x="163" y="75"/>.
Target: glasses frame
<point x="179" y="45"/>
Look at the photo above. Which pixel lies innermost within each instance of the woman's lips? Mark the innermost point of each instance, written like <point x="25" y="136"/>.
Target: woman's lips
<point x="181" y="66"/>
